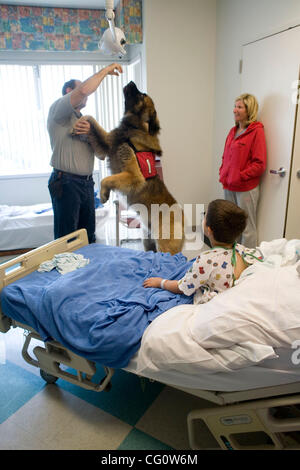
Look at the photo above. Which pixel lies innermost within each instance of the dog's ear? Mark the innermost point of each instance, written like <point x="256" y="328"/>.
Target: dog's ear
<point x="154" y="126"/>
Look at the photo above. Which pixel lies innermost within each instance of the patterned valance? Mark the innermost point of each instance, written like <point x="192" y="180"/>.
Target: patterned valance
<point x="129" y="18"/>
<point x="28" y="28"/>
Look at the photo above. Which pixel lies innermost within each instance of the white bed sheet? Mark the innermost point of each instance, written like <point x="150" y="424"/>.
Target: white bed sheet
<point x="267" y="374"/>
<point x="32" y="226"/>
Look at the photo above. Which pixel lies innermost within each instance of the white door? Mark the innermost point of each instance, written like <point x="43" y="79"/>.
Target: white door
<point x="270" y="71"/>
<point x="292" y="229"/>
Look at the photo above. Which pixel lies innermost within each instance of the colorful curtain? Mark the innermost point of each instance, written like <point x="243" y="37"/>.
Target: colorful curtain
<point x="129" y="17"/>
<point x="31" y="28"/>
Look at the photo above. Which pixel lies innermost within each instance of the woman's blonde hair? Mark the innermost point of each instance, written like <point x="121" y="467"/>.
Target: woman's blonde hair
<point x="251" y="105"/>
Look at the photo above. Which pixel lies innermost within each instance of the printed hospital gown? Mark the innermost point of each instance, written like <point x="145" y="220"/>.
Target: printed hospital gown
<point x="213" y="272"/>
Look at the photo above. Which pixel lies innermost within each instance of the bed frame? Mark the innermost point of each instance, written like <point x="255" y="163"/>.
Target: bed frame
<point x="265" y="418"/>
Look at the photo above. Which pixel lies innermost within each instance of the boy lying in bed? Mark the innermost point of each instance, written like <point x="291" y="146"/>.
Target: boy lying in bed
<point x="215" y="270"/>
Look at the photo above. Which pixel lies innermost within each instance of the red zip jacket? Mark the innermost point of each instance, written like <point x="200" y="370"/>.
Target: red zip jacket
<point x="244" y="158"/>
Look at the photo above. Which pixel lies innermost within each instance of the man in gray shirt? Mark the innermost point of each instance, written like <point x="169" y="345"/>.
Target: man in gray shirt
<point x="71" y="184"/>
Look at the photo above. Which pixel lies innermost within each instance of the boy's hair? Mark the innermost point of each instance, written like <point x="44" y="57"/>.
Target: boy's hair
<point x="226" y="220"/>
<point x="251" y="106"/>
<point x="70" y="84"/>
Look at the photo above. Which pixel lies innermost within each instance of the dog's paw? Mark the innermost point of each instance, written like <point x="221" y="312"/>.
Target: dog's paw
<point x="104" y="195"/>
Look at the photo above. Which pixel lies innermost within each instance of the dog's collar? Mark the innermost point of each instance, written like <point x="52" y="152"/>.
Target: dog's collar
<point x="131" y="145"/>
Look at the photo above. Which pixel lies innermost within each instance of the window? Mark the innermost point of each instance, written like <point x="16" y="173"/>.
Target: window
<point x="27" y="91"/>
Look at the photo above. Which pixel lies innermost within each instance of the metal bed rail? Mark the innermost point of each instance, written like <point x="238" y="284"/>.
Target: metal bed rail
<point x="54" y="360"/>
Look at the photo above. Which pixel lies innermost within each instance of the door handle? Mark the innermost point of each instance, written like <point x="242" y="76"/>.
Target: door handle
<point x="281" y="172"/>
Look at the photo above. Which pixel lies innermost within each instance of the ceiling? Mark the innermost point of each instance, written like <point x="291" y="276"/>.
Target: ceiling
<point x="86" y="4"/>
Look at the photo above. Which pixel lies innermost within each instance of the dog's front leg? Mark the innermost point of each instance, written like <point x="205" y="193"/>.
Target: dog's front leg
<point x="123" y="182"/>
<point x="98" y="138"/>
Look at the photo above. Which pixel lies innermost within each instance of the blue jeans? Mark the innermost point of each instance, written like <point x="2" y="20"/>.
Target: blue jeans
<point x="73" y="203"/>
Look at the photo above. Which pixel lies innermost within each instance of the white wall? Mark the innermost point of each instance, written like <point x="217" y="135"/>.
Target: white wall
<point x="240" y="22"/>
<point x="27" y="190"/>
<point x="180" y="57"/>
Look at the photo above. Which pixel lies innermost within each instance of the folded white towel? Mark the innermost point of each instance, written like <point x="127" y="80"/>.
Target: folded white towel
<point x="280" y="252"/>
<point x="64" y="263"/>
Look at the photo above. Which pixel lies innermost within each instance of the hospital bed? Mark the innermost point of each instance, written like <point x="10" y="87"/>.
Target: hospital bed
<point x="256" y="392"/>
<point x="27" y="227"/>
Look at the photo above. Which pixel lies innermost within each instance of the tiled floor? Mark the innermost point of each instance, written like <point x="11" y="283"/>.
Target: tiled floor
<point x="135" y="414"/>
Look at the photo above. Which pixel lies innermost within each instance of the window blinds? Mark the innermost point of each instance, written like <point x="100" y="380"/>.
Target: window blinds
<point x="27" y="93"/>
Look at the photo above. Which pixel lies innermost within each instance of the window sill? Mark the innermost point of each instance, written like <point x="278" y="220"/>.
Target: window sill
<point x="32" y="175"/>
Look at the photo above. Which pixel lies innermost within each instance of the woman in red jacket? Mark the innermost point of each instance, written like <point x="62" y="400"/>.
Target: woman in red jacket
<point x="244" y="161"/>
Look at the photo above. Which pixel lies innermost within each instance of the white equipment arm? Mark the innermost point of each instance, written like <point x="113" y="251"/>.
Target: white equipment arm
<point x="110" y="16"/>
<point x="113" y="39"/>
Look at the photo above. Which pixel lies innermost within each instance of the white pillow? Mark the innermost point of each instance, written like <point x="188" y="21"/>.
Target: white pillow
<point x="168" y="345"/>
<point x="264" y="308"/>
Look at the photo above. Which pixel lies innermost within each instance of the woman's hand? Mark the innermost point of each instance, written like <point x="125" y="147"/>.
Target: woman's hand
<point x="152" y="282"/>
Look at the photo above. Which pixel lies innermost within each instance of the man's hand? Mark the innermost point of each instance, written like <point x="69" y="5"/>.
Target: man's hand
<point x="81" y="127"/>
<point x="113" y="69"/>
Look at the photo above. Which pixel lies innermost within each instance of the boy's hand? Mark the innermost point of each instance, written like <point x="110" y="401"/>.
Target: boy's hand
<point x="152" y="282"/>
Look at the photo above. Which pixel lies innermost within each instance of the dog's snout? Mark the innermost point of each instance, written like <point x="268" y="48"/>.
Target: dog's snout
<point x="131" y="89"/>
<point x="132" y="85"/>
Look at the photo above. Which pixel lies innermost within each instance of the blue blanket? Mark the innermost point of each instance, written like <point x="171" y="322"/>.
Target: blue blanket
<point x="99" y="311"/>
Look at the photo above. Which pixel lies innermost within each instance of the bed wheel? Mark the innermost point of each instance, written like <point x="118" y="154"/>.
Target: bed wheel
<point x="50" y="379"/>
<point x="108" y="386"/>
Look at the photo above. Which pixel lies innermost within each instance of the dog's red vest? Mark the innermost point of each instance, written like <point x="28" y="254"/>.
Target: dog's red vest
<point x="146" y="161"/>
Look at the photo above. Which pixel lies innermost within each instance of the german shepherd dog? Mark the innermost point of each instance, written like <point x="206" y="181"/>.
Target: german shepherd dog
<point x="138" y="132"/>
